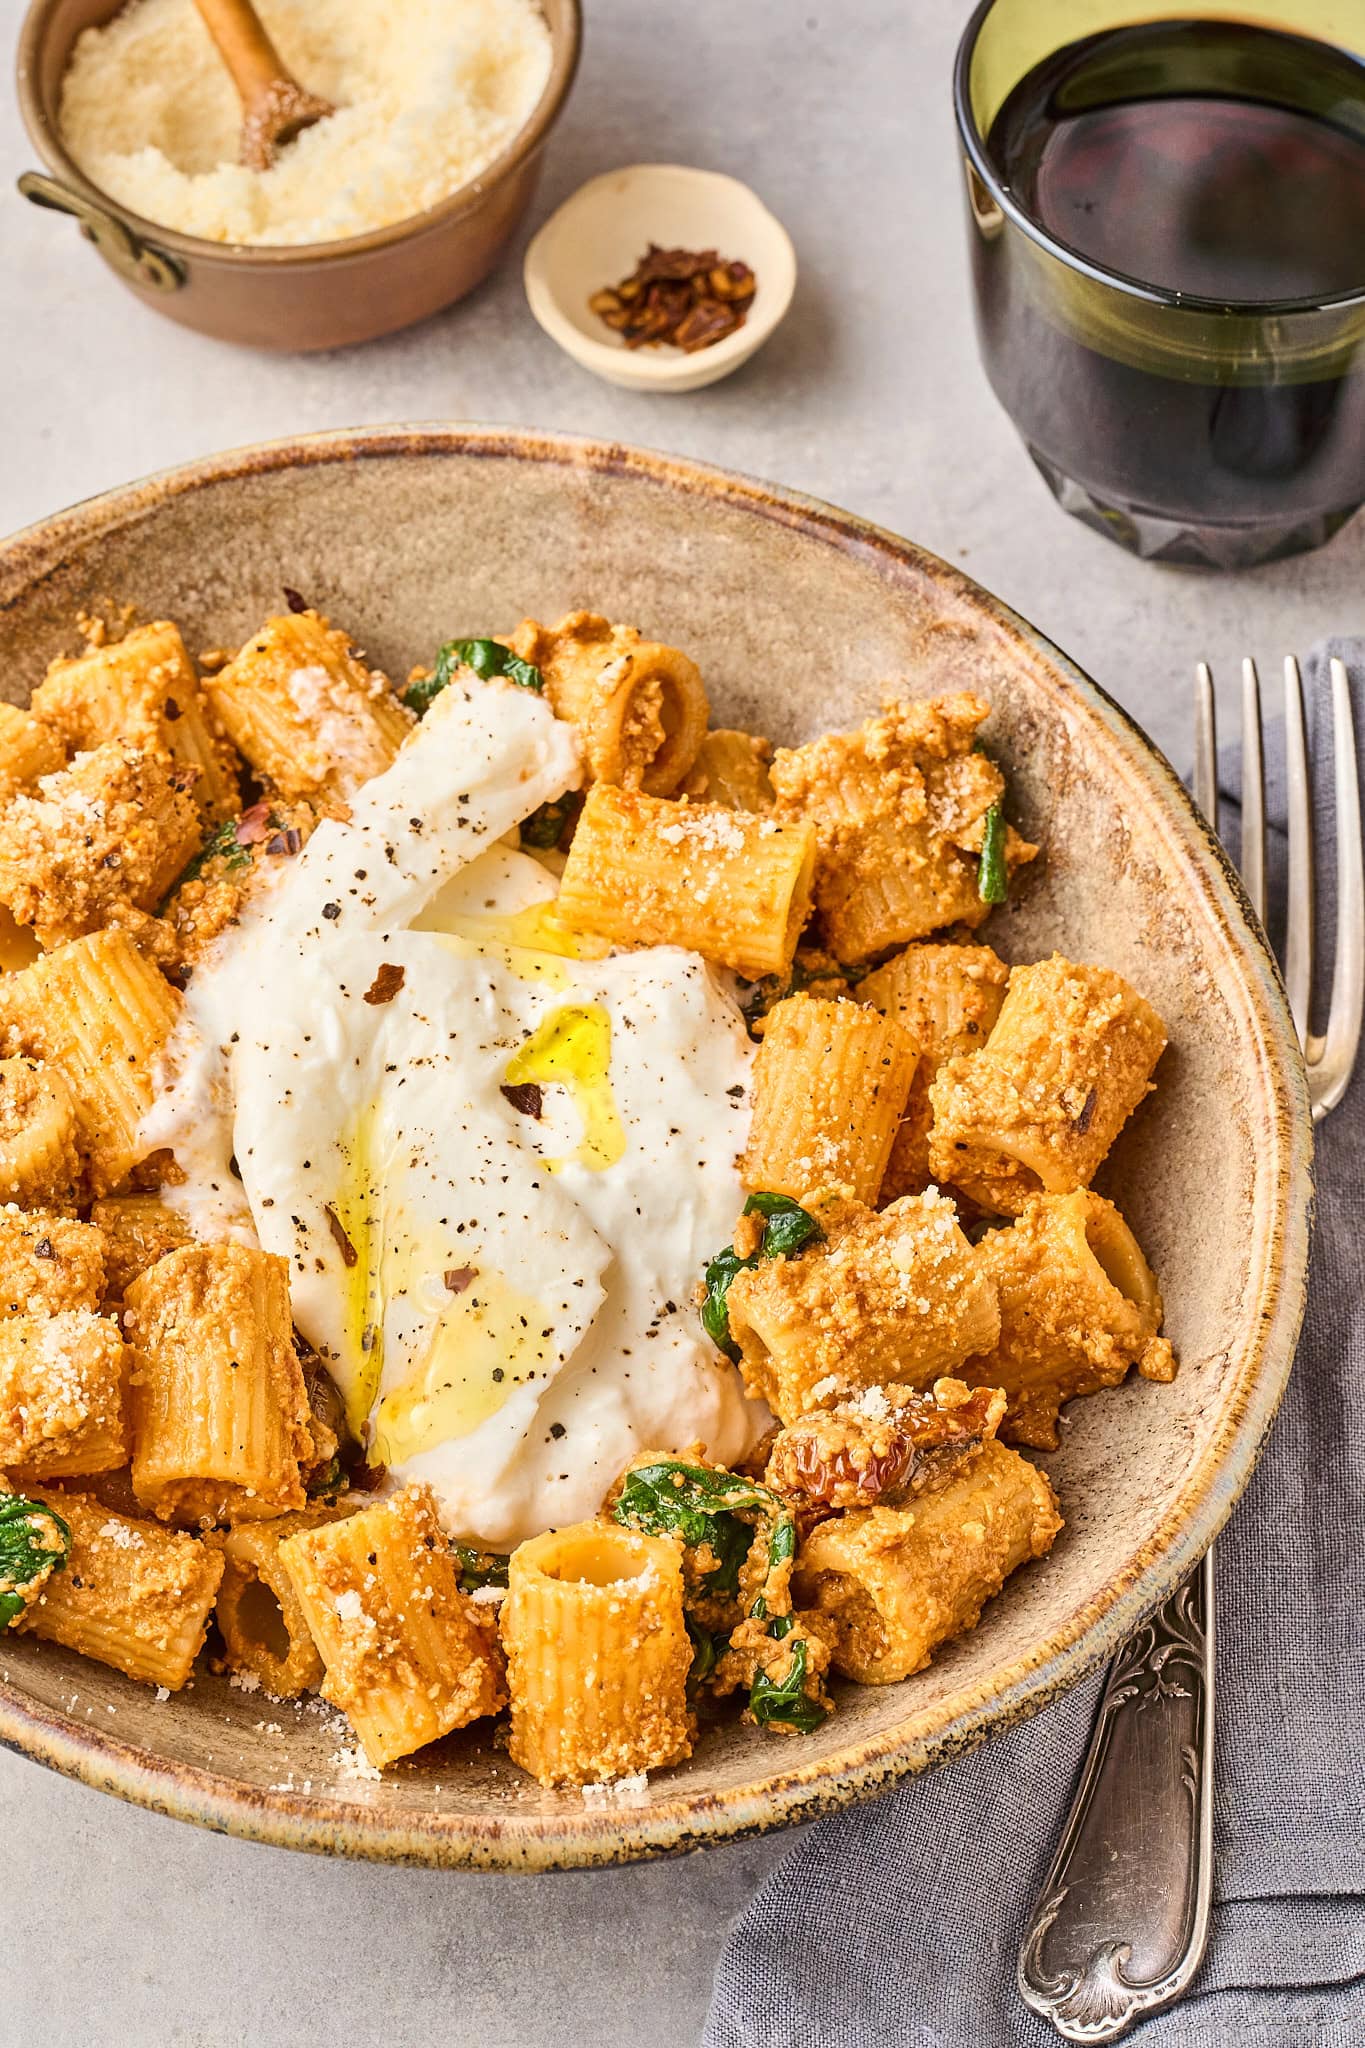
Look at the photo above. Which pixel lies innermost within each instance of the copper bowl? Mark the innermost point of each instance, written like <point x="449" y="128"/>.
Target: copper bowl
<point x="308" y="296"/>
<point x="797" y="614"/>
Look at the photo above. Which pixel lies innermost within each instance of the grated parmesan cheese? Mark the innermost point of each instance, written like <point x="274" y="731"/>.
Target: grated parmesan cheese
<point x="427" y="92"/>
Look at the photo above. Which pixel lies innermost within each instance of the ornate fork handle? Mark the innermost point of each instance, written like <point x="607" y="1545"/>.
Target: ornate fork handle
<point x="1123" y="1918"/>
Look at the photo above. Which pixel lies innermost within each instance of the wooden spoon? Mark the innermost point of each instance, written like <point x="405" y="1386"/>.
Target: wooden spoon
<point x="275" y="108"/>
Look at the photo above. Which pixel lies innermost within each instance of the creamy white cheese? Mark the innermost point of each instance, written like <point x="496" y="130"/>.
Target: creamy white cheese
<point x="496" y="1167"/>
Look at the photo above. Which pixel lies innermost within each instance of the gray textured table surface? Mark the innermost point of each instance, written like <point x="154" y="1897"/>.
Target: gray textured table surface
<point x="123" y="1928"/>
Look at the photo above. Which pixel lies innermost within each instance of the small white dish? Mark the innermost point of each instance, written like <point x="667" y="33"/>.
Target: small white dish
<point x="599" y="235"/>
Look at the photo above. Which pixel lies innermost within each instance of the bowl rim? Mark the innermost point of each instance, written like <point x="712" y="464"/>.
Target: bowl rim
<point x="641" y="367"/>
<point x="44" y="134"/>
<point x="777" y="1795"/>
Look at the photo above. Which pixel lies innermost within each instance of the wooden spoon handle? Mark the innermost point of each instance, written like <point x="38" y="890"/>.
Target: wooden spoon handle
<point x="244" y="47"/>
<point x="275" y="108"/>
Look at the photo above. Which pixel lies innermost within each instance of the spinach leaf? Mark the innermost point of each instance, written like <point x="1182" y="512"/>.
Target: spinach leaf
<point x="705" y="1651"/>
<point x="33" y="1542"/>
<point x="485" y="657"/>
<point x="788" y="1702"/>
<point x="478" y="1567"/>
<point x="329" y="1481"/>
<point x="715" y="1313"/>
<point x="697" y="1505"/>
<point x="706" y="1507"/>
<point x="992" y="884"/>
<point x="545" y="827"/>
<point x="787" y="1227"/>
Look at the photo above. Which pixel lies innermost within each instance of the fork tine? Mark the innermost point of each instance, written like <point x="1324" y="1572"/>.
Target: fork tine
<point x="1336" y="1053"/>
<point x="1253" y="791"/>
<point x="1205" y="745"/>
<point x="1298" y="944"/>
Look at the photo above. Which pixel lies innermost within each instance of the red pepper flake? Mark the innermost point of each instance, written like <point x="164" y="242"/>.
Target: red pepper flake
<point x="254" y="825"/>
<point x="689" y="298"/>
<point x="525" y="1096"/>
<point x="349" y="1255"/>
<point x="385" y="985"/>
<point x="458" y="1278"/>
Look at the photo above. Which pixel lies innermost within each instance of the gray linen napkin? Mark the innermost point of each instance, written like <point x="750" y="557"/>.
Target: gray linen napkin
<point x="898" y="1925"/>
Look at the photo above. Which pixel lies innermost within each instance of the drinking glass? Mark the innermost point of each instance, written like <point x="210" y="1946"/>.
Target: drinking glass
<point x="1187" y="430"/>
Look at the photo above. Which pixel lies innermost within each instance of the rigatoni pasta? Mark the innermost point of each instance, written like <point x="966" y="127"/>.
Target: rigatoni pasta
<point x="220" y="1412"/>
<point x="133" y="1595"/>
<point x="407" y="1658"/>
<point x="896" y="1297"/>
<point x="1078" y="1305"/>
<point x="142" y="690"/>
<point x="302" y="707"/>
<point x="948" y="998"/>
<point x="260" y="1617"/>
<point x="731" y="769"/>
<point x="597" y="1655"/>
<point x="28" y="749"/>
<point x="1036" y="1109"/>
<point x="900" y="807"/>
<point x="137" y="1230"/>
<point x="640" y="706"/>
<point x="63" y="1384"/>
<point x="895" y="1583"/>
<point x="38" y="1157"/>
<point x="98" y="1013"/>
<point x="48" y="1262"/>
<point x="830" y="1085"/>
<point x="109" y="833"/>
<point x="735" y="889"/>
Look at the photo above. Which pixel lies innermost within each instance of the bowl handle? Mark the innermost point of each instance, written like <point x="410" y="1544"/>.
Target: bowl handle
<point x="135" y="260"/>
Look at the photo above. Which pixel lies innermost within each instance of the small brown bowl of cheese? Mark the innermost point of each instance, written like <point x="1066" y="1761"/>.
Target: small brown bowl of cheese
<point x="395" y="206"/>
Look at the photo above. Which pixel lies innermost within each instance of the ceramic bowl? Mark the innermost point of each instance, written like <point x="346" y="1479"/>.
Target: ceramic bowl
<point x="599" y="235"/>
<point x="798" y="615"/>
<point x="310" y="296"/>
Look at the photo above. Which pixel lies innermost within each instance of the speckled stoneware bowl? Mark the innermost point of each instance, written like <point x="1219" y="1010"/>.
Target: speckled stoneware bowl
<point x="797" y="614"/>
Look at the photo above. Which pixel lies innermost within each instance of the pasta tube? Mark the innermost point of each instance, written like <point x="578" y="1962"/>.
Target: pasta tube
<point x="892" y="1298"/>
<point x="260" y="1617"/>
<point x="28" y="749"/>
<point x="98" y="1013"/>
<point x="900" y="807"/>
<point x="38" y="1157"/>
<point x="62" y="1396"/>
<point x="948" y="998"/>
<point x="1078" y="1305"/>
<point x="142" y="690"/>
<point x="48" y="1262"/>
<point x="306" y="712"/>
<point x="640" y="706"/>
<point x="597" y="1654"/>
<point x="1037" y="1108"/>
<point x="731" y="887"/>
<point x="133" y="1595"/>
<point x="111" y="830"/>
<point x="138" y="1230"/>
<point x="894" y="1584"/>
<point x="406" y="1657"/>
<point x="830" y="1084"/>
<point x="731" y="769"/>
<point x="220" y="1411"/>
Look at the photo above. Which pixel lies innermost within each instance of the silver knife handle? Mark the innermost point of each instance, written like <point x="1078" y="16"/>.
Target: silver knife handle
<point x="1120" y="1927"/>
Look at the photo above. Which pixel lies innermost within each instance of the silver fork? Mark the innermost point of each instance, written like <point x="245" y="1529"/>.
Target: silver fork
<point x="1122" y="1921"/>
